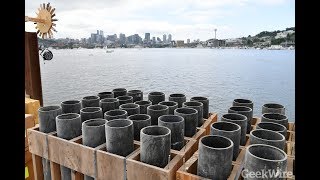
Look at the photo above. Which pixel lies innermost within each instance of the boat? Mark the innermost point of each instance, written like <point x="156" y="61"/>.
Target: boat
<point x="108" y="51"/>
<point x="275" y="47"/>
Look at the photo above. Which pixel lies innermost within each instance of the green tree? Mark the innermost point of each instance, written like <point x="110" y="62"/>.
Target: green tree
<point x="249" y="42"/>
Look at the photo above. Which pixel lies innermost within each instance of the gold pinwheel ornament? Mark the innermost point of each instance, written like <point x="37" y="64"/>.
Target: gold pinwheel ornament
<point x="44" y="21"/>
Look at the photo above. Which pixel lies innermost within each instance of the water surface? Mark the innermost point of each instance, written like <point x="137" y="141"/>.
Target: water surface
<point x="222" y="75"/>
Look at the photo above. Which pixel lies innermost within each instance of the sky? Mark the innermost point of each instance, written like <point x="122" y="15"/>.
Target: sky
<point x="183" y="19"/>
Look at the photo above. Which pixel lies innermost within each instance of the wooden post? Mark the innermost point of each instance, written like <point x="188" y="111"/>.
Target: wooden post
<point x="37" y="167"/>
<point x="32" y="67"/>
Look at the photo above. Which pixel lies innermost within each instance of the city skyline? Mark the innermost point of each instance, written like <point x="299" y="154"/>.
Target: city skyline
<point x="183" y="19"/>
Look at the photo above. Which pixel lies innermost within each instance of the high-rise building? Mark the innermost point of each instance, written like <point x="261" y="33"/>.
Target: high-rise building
<point x="134" y="39"/>
<point x="153" y="40"/>
<point x="137" y="39"/>
<point x="158" y="39"/>
<point x="164" y="38"/>
<point x="101" y="33"/>
<point x="169" y="38"/>
<point x="112" y="37"/>
<point x="97" y="32"/>
<point x="147" y="37"/>
<point x="122" y="38"/>
<point x="188" y="41"/>
<point x="93" y="38"/>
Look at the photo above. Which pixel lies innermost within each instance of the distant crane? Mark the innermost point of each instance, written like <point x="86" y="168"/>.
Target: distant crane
<point x="215" y="32"/>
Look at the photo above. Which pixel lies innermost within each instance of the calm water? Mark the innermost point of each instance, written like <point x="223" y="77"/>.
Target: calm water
<point x="220" y="74"/>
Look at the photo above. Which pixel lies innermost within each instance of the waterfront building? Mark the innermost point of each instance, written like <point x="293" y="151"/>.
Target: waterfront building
<point x="147" y="37"/>
<point x="283" y="34"/>
<point x="180" y="43"/>
<point x="122" y="38"/>
<point x="93" y="38"/>
<point x="215" y="43"/>
<point x="169" y="38"/>
<point x="153" y="40"/>
<point x="164" y="39"/>
<point x="134" y="39"/>
<point x="112" y="37"/>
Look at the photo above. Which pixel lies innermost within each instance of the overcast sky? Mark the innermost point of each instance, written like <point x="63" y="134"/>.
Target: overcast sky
<point x="182" y="18"/>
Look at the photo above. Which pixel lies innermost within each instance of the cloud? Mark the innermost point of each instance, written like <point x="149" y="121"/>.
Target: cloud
<point x="182" y="18"/>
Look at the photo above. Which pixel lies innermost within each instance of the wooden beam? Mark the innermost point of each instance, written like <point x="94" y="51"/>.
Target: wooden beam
<point x="37" y="167"/>
<point x="55" y="171"/>
<point x="32" y="67"/>
<point x="76" y="175"/>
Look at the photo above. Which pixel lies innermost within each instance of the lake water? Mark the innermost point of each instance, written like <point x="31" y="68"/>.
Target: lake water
<point x="222" y="75"/>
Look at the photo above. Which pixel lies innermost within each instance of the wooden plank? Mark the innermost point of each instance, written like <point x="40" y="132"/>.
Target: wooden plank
<point x="188" y="171"/>
<point x="37" y="167"/>
<point x="31" y="107"/>
<point x="76" y="175"/>
<point x="291" y="136"/>
<point x="72" y="155"/>
<point x="290" y="148"/>
<point x="189" y="148"/>
<point x="290" y="168"/>
<point x="142" y="171"/>
<point x="291" y="126"/>
<point x="112" y="166"/>
<point x="213" y="117"/>
<point x="27" y="157"/>
<point x="199" y="134"/>
<point x="247" y="141"/>
<point x="241" y="155"/>
<point x="32" y="67"/>
<point x="30" y="170"/>
<point x="37" y="142"/>
<point x="255" y="121"/>
<point x="29" y="123"/>
<point x="55" y="171"/>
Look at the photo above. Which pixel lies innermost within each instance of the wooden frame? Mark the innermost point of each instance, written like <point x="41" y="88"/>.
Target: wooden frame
<point x="188" y="171"/>
<point x="29" y="123"/>
<point x="291" y="126"/>
<point x="291" y="167"/>
<point x="142" y="171"/>
<point x="82" y="160"/>
<point x="213" y="117"/>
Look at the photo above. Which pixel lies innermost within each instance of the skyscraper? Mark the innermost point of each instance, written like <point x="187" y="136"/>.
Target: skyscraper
<point x="93" y="38"/>
<point x="122" y="38"/>
<point x="164" y="38"/>
<point x="188" y="41"/>
<point x="97" y="32"/>
<point x="147" y="37"/>
<point x="101" y="33"/>
<point x="153" y="40"/>
<point x="169" y="38"/>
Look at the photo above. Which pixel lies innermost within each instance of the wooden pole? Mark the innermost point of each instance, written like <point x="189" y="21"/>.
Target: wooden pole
<point x="32" y="67"/>
<point x="26" y="19"/>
